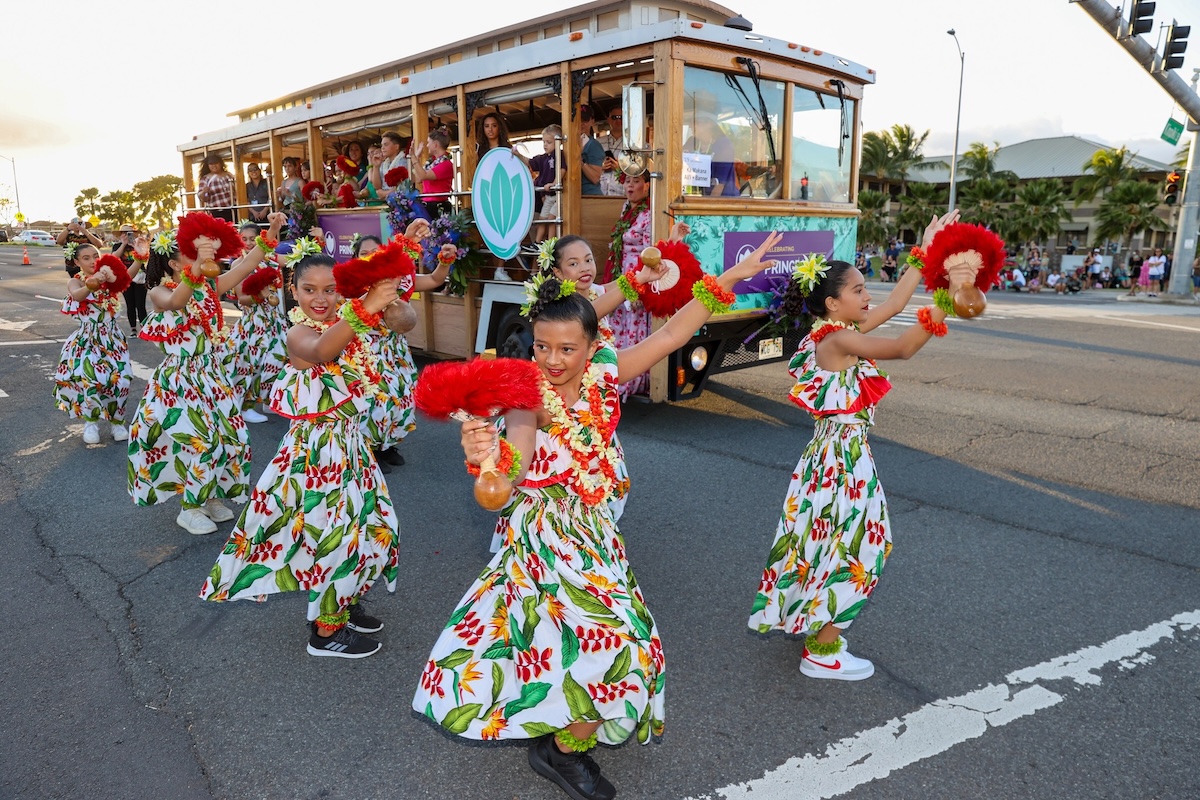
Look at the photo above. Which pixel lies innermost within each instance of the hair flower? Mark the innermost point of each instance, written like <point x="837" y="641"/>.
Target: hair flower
<point x="163" y="243"/>
<point x="304" y="246"/>
<point x="69" y="250"/>
<point x="534" y="292"/>
<point x="545" y="256"/>
<point x="810" y="271"/>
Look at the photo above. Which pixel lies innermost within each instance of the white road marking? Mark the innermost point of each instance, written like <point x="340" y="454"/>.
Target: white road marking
<point x="3" y="393"/>
<point x="939" y="726"/>
<point x="51" y="299"/>
<point x="140" y="371"/>
<point x="32" y="341"/>
<point x="1148" y="322"/>
<point x="6" y="325"/>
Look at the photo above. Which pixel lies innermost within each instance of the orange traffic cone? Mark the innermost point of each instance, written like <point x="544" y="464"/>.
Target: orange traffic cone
<point x="25" y="256"/>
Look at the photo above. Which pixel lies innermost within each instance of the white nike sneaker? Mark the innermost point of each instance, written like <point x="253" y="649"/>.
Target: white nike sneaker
<point x="501" y="275"/>
<point x="193" y="521"/>
<point x="215" y="510"/>
<point x="838" y="666"/>
<point x="120" y="433"/>
<point x="250" y="415"/>
<point x="91" y="433"/>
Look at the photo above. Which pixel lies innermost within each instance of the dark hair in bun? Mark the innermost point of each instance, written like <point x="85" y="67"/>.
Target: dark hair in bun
<point x="549" y="307"/>
<point x="796" y="303"/>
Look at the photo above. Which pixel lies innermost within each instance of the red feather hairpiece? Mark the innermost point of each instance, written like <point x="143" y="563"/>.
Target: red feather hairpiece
<point x="346" y="198"/>
<point x="260" y="280"/>
<point x="357" y="275"/>
<point x="666" y="302"/>
<point x="395" y="175"/>
<point x="347" y="166"/>
<point x="959" y="238"/>
<point x="481" y="387"/>
<point x="196" y="224"/>
<point x="119" y="271"/>
<point x="312" y="190"/>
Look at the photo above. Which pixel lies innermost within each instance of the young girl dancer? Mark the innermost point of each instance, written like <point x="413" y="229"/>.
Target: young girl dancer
<point x="391" y="418"/>
<point x="834" y="534"/>
<point x="257" y="340"/>
<point x="320" y="518"/>
<point x="188" y="437"/>
<point x="554" y="642"/>
<point x="92" y="379"/>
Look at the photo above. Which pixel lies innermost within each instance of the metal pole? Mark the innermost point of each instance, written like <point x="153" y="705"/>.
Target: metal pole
<point x="1180" y="284"/>
<point x="962" y="63"/>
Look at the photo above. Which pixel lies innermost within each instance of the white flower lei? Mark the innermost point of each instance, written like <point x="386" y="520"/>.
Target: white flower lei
<point x="573" y="434"/>
<point x="360" y="356"/>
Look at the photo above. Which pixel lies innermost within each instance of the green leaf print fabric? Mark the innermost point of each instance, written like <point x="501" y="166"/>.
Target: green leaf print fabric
<point x="391" y="416"/>
<point x="92" y="379"/>
<point x="258" y="345"/>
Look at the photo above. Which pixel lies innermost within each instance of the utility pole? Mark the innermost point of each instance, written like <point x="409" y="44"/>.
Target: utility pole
<point x="1188" y="227"/>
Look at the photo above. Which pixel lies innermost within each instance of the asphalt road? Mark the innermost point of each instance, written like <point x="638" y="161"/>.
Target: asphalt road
<point x="1036" y="632"/>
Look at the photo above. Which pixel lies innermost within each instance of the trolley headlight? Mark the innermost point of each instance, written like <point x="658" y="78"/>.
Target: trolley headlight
<point x="699" y="358"/>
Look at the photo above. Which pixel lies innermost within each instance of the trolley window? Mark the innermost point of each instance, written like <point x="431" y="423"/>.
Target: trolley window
<point x="822" y="146"/>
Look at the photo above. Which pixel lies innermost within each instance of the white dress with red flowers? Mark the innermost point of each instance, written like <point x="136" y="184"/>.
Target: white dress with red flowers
<point x="92" y="379"/>
<point x="555" y="628"/>
<point x="188" y="437"/>
<point x="391" y="416"/>
<point x="259" y="351"/>
<point x="833" y="536"/>
<point x="631" y="322"/>
<point x="320" y="519"/>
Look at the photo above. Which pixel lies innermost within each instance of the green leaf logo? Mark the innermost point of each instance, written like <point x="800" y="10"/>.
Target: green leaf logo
<point x="503" y="200"/>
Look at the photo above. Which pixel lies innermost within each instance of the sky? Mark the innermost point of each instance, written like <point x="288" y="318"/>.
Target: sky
<point x="108" y="105"/>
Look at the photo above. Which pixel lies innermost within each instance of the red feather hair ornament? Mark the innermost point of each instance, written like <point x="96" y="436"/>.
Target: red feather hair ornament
<point x="480" y="387"/>
<point x="959" y="238"/>
<point x="119" y="271"/>
<point x="312" y="190"/>
<point x="357" y="275"/>
<point x="395" y="175"/>
<point x="346" y="198"/>
<point x="196" y="224"/>
<point x="260" y="280"/>
<point x="347" y="166"/>
<point x="665" y="302"/>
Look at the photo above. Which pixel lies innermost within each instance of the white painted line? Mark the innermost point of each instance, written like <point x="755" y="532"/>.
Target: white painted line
<point x="1148" y="322"/>
<point x="939" y="726"/>
<point x="3" y="393"/>
<point x="32" y="341"/>
<point x="6" y="325"/>
<point x="51" y="299"/>
<point x="140" y="371"/>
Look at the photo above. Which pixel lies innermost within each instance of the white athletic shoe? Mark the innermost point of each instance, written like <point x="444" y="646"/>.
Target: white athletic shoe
<point x="120" y="433"/>
<point x="501" y="275"/>
<point x="193" y="521"/>
<point x="250" y="415"/>
<point x="91" y="433"/>
<point x="215" y="510"/>
<point x="839" y="666"/>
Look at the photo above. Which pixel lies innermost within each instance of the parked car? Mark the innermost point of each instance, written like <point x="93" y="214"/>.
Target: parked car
<point x="34" y="237"/>
<point x="3" y="235"/>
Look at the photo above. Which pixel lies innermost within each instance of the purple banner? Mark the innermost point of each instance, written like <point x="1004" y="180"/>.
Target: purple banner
<point x="793" y="248"/>
<point x="341" y="226"/>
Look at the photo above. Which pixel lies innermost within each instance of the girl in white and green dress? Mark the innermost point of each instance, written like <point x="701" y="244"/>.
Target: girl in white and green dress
<point x="554" y="641"/>
<point x="91" y="382"/>
<point x="258" y="349"/>
<point x="320" y="519"/>
<point x="188" y="437"/>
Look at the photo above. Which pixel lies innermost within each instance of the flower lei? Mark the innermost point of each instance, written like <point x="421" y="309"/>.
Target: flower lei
<point x="508" y="464"/>
<point x="628" y="216"/>
<point x="809" y="272"/>
<point x="202" y="311"/>
<point x="586" y="443"/>
<point x="607" y="334"/>
<point x="823" y="327"/>
<point x="105" y="300"/>
<point x="357" y="353"/>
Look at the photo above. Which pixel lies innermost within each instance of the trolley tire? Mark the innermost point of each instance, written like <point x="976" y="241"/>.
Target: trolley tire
<point x="514" y="336"/>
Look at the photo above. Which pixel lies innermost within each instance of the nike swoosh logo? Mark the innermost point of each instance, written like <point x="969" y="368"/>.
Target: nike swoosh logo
<point x="834" y="665"/>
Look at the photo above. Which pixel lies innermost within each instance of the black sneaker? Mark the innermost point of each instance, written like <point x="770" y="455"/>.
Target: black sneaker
<point x="343" y="644"/>
<point x="575" y="773"/>
<point x="363" y="622"/>
<point x="383" y="465"/>
<point x="392" y="456"/>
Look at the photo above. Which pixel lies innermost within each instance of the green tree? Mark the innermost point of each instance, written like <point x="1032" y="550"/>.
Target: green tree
<point x="873" y="222"/>
<point x="87" y="202"/>
<point x="158" y="198"/>
<point x="1181" y="157"/>
<point x="1039" y="210"/>
<point x="119" y="208"/>
<point x="984" y="201"/>
<point x="1127" y="210"/>
<point x="878" y="155"/>
<point x="924" y="200"/>
<point x="979" y="161"/>
<point x="1103" y="171"/>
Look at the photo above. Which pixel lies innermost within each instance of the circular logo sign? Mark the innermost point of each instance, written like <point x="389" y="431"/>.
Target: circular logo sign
<point x="502" y="201"/>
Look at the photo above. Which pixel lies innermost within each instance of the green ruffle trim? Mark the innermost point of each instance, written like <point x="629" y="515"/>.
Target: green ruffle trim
<point x="822" y="648"/>
<point x="566" y="739"/>
<point x="941" y="299"/>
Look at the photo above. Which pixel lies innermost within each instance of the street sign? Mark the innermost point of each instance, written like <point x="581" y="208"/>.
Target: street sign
<point x="1172" y="131"/>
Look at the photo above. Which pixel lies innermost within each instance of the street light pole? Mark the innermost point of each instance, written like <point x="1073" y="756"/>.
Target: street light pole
<point x="16" y="189"/>
<point x="962" y="63"/>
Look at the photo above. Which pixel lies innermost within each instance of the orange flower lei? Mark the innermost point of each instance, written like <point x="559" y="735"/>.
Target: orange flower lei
<point x="105" y="300"/>
<point x="925" y="317"/>
<point x="357" y="353"/>
<point x="823" y="327"/>
<point x="203" y="311"/>
<point x="587" y="441"/>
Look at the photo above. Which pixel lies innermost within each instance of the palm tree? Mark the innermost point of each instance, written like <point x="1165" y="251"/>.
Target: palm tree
<point x="877" y="155"/>
<point x="979" y="161"/>
<point x="873" y="223"/>
<point x="1127" y="210"/>
<point x="907" y="152"/>
<point x="1181" y="158"/>
<point x="1039" y="210"/>
<point x="120" y="208"/>
<point x="924" y="200"/>
<point x="1103" y="171"/>
<point x="983" y="201"/>
<point x="158" y="198"/>
<point x="87" y="202"/>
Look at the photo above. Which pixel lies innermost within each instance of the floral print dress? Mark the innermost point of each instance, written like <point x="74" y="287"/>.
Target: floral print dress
<point x="631" y="322"/>
<point x="188" y="437"/>
<point x="834" y="535"/>
<point x="391" y="416"/>
<point x="92" y="379"/>
<point x="320" y="519"/>
<point x="259" y="346"/>
<point x="555" y="629"/>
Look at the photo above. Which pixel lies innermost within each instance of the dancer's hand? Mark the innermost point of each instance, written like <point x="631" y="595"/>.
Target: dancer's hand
<point x="381" y="295"/>
<point x="935" y="226"/>
<point x="753" y="264"/>
<point x="478" y="440"/>
<point x="105" y="274"/>
<point x="417" y="230"/>
<point x="206" y="249"/>
<point x="680" y="230"/>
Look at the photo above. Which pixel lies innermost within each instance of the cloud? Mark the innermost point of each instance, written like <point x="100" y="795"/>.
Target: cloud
<point x="18" y="131"/>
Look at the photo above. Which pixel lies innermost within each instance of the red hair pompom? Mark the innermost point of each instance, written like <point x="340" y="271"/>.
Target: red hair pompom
<point x="312" y="190"/>
<point x="395" y="175"/>
<point x="346" y="198"/>
<point x="666" y="302"/>
<point x="481" y="387"/>
<point x="260" y="280"/>
<point x="196" y="224"/>
<point x="357" y="275"/>
<point x="119" y="271"/>
<point x="348" y="166"/>
<point x="959" y="238"/>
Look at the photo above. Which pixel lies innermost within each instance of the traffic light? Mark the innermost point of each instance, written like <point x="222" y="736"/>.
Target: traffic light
<point x="804" y="187"/>
<point x="1176" y="45"/>
<point x="1141" y="18"/>
<point x="1171" y="190"/>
